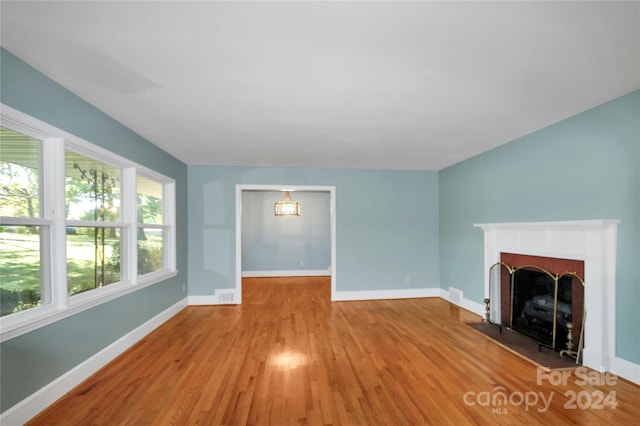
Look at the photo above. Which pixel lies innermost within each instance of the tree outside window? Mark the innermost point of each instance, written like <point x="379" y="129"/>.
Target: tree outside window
<point x="93" y="239"/>
<point x="151" y="230"/>
<point x="21" y="284"/>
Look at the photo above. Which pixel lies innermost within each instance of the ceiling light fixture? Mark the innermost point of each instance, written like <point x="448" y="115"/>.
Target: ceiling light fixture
<point x="287" y="207"/>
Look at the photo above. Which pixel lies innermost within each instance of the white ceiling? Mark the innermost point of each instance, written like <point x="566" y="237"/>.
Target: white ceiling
<point x="389" y="85"/>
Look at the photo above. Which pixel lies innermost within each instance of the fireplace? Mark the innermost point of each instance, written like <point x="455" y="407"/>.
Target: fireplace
<point x="541" y="298"/>
<point x="592" y="242"/>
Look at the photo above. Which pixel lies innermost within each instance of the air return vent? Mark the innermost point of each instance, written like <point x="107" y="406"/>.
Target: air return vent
<point x="226" y="297"/>
<point x="455" y="296"/>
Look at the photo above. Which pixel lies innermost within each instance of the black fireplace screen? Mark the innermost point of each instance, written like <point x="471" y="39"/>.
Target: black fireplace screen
<point x="546" y="307"/>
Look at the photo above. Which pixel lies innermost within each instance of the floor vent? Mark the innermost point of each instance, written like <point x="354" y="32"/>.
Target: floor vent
<point x="455" y="295"/>
<point x="225" y="298"/>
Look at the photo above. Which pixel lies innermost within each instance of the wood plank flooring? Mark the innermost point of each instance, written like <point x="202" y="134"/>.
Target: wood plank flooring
<point x="289" y="356"/>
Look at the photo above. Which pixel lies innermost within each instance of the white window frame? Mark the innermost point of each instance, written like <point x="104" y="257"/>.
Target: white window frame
<point x="52" y="217"/>
<point x="168" y="219"/>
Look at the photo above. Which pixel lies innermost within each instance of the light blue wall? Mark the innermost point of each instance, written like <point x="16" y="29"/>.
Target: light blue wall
<point x="387" y="224"/>
<point x="31" y="361"/>
<point x="271" y="243"/>
<point x="585" y="167"/>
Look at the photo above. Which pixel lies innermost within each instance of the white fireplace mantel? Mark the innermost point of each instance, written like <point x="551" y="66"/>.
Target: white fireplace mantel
<point x="592" y="241"/>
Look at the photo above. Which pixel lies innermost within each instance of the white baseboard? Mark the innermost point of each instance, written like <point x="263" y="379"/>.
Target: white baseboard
<point x="469" y="305"/>
<point x="626" y="369"/>
<point x="228" y="296"/>
<point x="29" y="407"/>
<point x="410" y="293"/>
<point x="291" y="273"/>
<point x="203" y="300"/>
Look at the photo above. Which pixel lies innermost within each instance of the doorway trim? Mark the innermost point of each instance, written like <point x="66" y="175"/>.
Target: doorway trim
<point x="299" y="188"/>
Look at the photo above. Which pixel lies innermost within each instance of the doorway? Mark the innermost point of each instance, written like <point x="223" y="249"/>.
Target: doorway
<point x="331" y="190"/>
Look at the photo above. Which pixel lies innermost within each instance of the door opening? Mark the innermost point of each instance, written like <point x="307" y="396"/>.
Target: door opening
<point x="331" y="190"/>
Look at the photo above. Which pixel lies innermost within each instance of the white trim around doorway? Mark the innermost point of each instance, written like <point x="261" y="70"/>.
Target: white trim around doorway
<point x="332" y="211"/>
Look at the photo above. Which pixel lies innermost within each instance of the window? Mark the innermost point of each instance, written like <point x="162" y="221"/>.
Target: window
<point x="22" y="232"/>
<point x="19" y="175"/>
<point x="92" y="206"/>
<point x="78" y="225"/>
<point x="151" y="229"/>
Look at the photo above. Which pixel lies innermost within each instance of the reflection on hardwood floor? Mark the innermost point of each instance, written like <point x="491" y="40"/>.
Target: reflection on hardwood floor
<point x="290" y="356"/>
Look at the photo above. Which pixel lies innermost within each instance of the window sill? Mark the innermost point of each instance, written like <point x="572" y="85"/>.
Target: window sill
<point x="15" y="325"/>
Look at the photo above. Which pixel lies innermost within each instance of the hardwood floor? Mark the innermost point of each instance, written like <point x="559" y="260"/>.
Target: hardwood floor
<point x="290" y="356"/>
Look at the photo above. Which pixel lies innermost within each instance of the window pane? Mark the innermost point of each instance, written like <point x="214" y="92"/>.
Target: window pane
<point x="92" y="189"/>
<point x="150" y="250"/>
<point x="19" y="161"/>
<point x="149" y="201"/>
<point x="93" y="258"/>
<point x="19" y="268"/>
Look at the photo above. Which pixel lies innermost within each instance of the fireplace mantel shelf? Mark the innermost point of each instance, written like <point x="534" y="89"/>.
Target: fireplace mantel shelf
<point x="567" y="224"/>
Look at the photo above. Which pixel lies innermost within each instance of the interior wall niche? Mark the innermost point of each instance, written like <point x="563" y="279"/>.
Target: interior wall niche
<point x="540" y="297"/>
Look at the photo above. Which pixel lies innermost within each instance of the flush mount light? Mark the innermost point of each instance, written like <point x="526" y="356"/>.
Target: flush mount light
<point x="287" y="207"/>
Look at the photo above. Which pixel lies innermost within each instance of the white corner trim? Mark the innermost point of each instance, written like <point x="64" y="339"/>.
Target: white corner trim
<point x="29" y="407"/>
<point x="288" y="273"/>
<point x="626" y="369"/>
